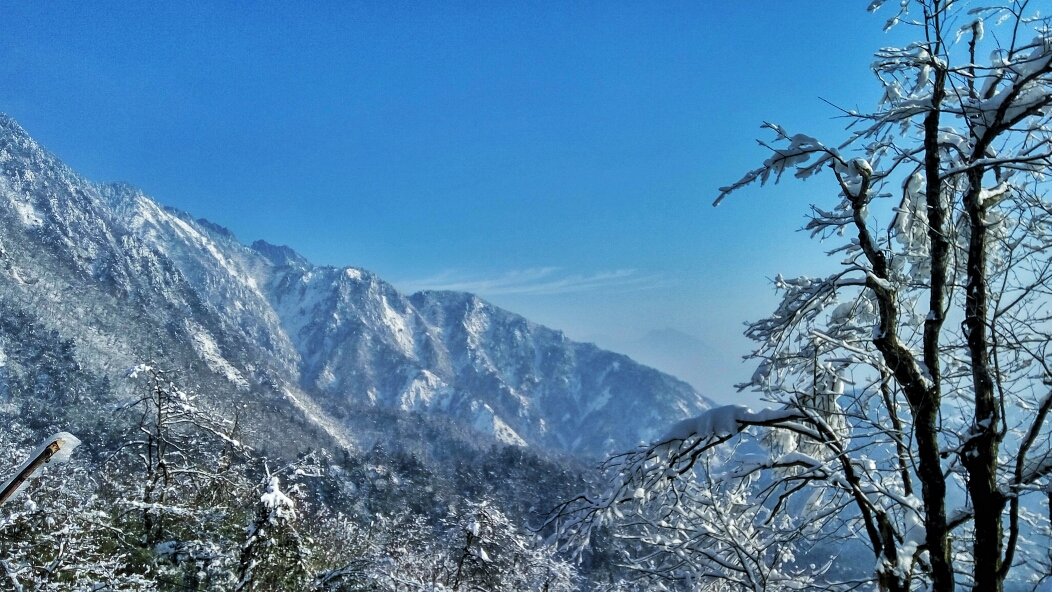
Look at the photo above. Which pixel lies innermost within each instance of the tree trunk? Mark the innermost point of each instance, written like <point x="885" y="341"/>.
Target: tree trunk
<point x="926" y="403"/>
<point x="980" y="451"/>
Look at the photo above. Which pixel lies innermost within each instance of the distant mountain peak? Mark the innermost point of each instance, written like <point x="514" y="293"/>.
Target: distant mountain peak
<point x="280" y="255"/>
<point x="217" y="228"/>
<point x="670" y="335"/>
<point x="450" y="297"/>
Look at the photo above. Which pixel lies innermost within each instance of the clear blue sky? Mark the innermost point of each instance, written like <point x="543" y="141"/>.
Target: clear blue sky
<point x="559" y="158"/>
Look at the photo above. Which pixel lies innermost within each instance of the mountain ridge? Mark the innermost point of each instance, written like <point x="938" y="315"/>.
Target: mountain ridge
<point x="273" y="326"/>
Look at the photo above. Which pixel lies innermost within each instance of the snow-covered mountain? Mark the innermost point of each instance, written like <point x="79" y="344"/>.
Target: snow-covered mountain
<point x="126" y="280"/>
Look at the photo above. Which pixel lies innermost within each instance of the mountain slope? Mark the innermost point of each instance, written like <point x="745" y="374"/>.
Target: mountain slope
<point x="571" y="396"/>
<point x="74" y="257"/>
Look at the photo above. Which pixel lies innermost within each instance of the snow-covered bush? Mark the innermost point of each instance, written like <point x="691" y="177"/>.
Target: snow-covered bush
<point x="475" y="548"/>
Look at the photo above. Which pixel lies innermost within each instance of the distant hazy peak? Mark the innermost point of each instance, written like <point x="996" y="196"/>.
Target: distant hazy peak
<point x="671" y="336"/>
<point x="280" y="255"/>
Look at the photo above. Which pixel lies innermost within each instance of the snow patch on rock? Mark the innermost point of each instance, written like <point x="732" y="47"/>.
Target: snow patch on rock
<point x="488" y="422"/>
<point x="425" y="391"/>
<point x="206" y="347"/>
<point x="398" y="325"/>
<point x="318" y="417"/>
<point x="27" y="212"/>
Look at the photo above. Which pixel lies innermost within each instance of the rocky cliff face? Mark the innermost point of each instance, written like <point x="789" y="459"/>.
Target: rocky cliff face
<point x="128" y="280"/>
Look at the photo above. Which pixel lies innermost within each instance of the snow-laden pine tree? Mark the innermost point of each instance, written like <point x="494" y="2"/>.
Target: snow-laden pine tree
<point x="911" y="387"/>
<point x="274" y="555"/>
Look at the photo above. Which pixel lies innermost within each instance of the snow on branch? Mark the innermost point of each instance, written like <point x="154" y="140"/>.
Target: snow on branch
<point x="800" y="150"/>
<point x="280" y="507"/>
<point x="726" y="421"/>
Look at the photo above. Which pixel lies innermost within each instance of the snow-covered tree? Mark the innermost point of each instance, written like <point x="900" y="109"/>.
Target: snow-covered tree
<point x="487" y="552"/>
<point x="350" y="553"/>
<point x="180" y="482"/>
<point x="912" y="385"/>
<point x="274" y="556"/>
<point x="473" y="548"/>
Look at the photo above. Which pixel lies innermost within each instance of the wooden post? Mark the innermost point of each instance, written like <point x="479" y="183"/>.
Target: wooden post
<point x="44" y="457"/>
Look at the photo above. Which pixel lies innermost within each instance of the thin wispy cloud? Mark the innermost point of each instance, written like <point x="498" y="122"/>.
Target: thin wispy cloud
<point x="538" y="281"/>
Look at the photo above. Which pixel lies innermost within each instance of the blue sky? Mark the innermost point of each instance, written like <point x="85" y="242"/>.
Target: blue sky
<point x="559" y="158"/>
